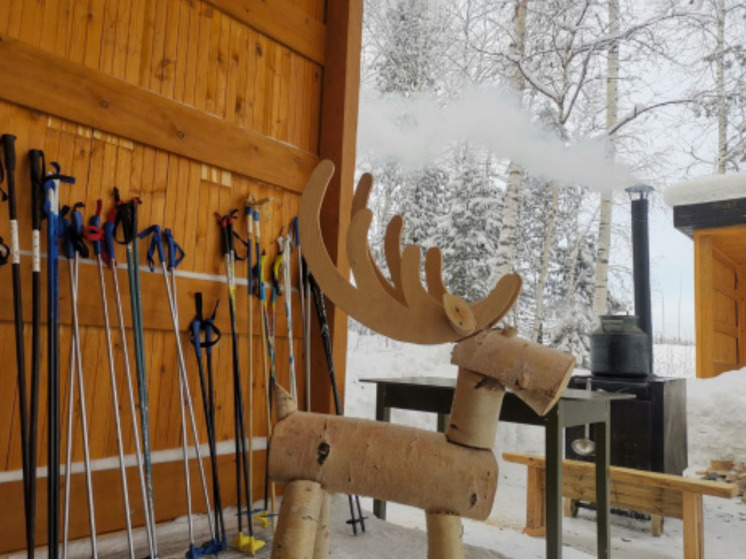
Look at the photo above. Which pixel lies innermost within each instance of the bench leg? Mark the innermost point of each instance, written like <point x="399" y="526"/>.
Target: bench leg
<point x="570" y="507"/>
<point x="656" y="525"/>
<point x="535" y="499"/>
<point x="694" y="541"/>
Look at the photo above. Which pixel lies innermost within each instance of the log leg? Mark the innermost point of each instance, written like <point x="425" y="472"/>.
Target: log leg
<point x="444" y="536"/>
<point x="694" y="540"/>
<point x="321" y="548"/>
<point x="299" y="516"/>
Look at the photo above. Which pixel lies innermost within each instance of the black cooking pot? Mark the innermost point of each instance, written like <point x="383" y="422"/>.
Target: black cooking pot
<point x="619" y="348"/>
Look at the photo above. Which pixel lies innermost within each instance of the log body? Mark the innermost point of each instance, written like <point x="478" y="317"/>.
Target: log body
<point x="384" y="461"/>
<point x="537" y="374"/>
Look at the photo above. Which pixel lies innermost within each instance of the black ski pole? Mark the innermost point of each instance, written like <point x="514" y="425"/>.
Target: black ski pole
<point x="38" y="171"/>
<point x="196" y="327"/>
<point x="318" y="299"/>
<point x="9" y="152"/>
<point x="246" y="542"/>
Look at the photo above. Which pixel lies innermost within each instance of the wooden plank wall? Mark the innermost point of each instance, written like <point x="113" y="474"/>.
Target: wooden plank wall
<point x="719" y="301"/>
<point x="192" y="106"/>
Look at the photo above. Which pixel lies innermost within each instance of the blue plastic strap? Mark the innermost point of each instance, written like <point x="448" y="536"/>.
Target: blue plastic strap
<point x="173" y="250"/>
<point x="156" y="243"/>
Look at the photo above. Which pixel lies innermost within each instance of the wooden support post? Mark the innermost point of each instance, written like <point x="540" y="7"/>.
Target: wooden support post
<point x="298" y="522"/>
<point x="694" y="539"/>
<point x="444" y="536"/>
<point x="535" y="502"/>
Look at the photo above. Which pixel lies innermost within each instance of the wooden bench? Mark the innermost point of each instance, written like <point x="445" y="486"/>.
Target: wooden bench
<point x="648" y="492"/>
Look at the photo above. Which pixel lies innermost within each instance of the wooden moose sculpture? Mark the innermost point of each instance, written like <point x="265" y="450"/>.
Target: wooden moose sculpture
<point x="447" y="475"/>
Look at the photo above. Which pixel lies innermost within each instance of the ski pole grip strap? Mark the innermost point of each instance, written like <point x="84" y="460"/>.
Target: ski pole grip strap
<point x="175" y="252"/>
<point x="4" y="252"/>
<point x="156" y="243"/>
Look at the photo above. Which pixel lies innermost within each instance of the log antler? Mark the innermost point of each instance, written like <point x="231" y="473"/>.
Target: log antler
<point x="402" y="308"/>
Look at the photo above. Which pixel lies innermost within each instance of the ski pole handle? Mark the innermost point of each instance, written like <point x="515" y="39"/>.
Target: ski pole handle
<point x="296" y="232"/>
<point x="156" y="243"/>
<point x="175" y="252"/>
<point x="77" y="231"/>
<point x="109" y="239"/>
<point x="9" y="148"/>
<point x="93" y="232"/>
<point x="38" y="172"/>
<point x="66" y="229"/>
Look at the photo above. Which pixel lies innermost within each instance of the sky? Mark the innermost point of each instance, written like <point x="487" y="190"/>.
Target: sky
<point x="414" y="130"/>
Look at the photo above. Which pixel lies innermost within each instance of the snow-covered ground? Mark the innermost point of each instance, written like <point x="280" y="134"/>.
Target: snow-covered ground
<point x="716" y="422"/>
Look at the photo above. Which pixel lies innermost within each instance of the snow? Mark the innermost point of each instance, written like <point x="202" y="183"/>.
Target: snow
<point x="716" y="421"/>
<point x="706" y="189"/>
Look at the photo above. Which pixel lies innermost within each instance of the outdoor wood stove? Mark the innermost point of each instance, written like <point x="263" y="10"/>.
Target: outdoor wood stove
<point x="649" y="432"/>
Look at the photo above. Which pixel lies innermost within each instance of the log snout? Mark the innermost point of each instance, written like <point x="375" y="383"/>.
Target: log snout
<point x="537" y="374"/>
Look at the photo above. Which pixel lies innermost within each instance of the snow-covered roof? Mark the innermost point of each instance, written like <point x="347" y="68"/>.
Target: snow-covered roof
<point x="706" y="189"/>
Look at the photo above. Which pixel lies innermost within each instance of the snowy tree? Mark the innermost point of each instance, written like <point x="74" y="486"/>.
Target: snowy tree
<point x="467" y="234"/>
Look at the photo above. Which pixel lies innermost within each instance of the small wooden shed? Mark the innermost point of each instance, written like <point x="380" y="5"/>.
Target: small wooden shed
<point x="192" y="105"/>
<point x="712" y="212"/>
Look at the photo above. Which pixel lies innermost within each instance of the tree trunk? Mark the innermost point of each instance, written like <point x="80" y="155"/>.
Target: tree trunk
<point x="545" y="253"/>
<point x="505" y="249"/>
<point x="722" y="107"/>
<point x="604" y="226"/>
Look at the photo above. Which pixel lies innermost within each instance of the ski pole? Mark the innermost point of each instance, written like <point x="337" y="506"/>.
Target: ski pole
<point x="38" y="171"/>
<point x="302" y="284"/>
<point x="93" y="233"/>
<point x="74" y="247"/>
<point x="196" y="327"/>
<point x="246" y="542"/>
<point x="185" y="397"/>
<point x="51" y="212"/>
<point x="175" y="255"/>
<point x="126" y="216"/>
<point x="318" y="299"/>
<point x="9" y="152"/>
<point x="285" y="243"/>
<point x="248" y="210"/>
<point x="109" y="228"/>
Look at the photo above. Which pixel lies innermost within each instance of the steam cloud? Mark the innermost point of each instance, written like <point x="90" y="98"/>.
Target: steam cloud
<point x="416" y="129"/>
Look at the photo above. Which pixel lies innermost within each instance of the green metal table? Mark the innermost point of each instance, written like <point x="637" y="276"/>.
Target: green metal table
<point x="576" y="407"/>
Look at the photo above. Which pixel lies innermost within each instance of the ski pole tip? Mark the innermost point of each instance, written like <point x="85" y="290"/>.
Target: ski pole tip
<point x="248" y="544"/>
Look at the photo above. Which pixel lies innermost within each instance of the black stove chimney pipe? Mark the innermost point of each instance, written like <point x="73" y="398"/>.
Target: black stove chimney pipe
<point x="641" y="260"/>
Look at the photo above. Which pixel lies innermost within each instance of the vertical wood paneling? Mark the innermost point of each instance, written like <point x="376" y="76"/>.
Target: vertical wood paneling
<point x="189" y="52"/>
